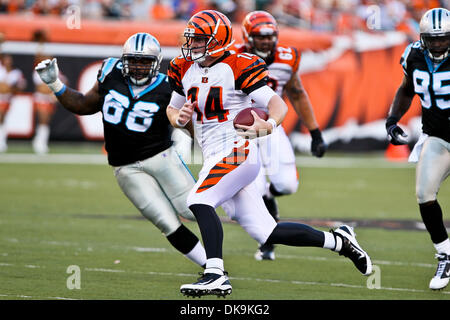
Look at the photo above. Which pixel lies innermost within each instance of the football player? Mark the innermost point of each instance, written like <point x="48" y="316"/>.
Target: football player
<point x="11" y="82"/>
<point x="211" y="85"/>
<point x="426" y="70"/>
<point x="260" y="33"/>
<point x="133" y="95"/>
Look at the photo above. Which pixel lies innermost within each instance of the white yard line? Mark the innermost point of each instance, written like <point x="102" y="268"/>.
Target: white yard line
<point x="183" y="275"/>
<point x="302" y="161"/>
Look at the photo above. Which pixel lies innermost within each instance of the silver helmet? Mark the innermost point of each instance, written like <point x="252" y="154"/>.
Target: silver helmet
<point x="141" y="58"/>
<point x="435" y="33"/>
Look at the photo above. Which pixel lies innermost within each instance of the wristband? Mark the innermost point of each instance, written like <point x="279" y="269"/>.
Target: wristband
<point x="57" y="87"/>
<point x="181" y="125"/>
<point x="273" y="123"/>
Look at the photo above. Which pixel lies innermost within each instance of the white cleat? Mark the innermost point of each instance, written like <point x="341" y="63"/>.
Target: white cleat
<point x="442" y="276"/>
<point x="208" y="284"/>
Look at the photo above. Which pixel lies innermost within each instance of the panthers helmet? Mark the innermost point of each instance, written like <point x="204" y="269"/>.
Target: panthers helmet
<point x="435" y="33"/>
<point x="141" y="58"/>
<point x="211" y="26"/>
<point x="260" y="23"/>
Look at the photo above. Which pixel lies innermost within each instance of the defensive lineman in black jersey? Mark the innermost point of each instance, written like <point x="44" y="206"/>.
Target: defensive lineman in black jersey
<point x="427" y="73"/>
<point x="133" y="95"/>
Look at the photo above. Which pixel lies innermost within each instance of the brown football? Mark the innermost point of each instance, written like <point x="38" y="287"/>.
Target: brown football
<point x="245" y="117"/>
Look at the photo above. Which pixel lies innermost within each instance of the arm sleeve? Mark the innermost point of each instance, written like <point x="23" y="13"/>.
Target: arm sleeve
<point x="177" y="100"/>
<point x="262" y="96"/>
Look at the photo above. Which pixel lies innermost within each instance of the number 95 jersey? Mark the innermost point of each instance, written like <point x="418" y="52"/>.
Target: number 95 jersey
<point x="432" y="85"/>
<point x="135" y="123"/>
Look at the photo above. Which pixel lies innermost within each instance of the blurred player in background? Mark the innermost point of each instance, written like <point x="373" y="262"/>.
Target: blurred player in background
<point x="11" y="82"/>
<point x="260" y="33"/>
<point x="427" y="73"/>
<point x="211" y="85"/>
<point x="44" y="104"/>
<point x="132" y="95"/>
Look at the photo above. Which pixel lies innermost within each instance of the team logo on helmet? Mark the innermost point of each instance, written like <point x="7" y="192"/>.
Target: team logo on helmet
<point x="435" y="33"/>
<point x="208" y="33"/>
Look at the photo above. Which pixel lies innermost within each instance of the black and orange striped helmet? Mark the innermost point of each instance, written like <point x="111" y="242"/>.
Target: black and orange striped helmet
<point x="211" y="26"/>
<point x="259" y="23"/>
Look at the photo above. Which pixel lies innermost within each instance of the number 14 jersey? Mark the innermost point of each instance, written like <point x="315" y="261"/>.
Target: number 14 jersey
<point x="221" y="90"/>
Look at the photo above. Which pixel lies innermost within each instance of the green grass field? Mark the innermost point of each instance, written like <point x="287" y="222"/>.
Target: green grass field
<point x="56" y="215"/>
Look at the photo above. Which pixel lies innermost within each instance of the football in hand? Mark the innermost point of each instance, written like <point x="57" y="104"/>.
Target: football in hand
<point x="245" y="117"/>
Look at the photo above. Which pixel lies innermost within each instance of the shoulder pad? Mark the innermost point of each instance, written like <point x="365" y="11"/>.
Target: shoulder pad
<point x="107" y="67"/>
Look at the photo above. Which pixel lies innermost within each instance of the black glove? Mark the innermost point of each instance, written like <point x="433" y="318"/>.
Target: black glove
<point x="396" y="135"/>
<point x="318" y="146"/>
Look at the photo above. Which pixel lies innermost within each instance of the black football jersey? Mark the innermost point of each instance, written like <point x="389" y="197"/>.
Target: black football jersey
<point x="135" y="125"/>
<point x="432" y="85"/>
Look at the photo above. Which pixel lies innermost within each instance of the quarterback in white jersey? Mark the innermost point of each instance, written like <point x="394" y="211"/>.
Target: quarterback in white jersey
<point x="211" y="85"/>
<point x="260" y="33"/>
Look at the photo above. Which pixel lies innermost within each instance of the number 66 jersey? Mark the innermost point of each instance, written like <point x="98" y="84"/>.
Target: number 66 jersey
<point x="221" y="90"/>
<point x="432" y="84"/>
<point x="134" y="118"/>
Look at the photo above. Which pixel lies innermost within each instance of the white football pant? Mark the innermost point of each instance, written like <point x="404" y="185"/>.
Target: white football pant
<point x="230" y="184"/>
<point x="278" y="163"/>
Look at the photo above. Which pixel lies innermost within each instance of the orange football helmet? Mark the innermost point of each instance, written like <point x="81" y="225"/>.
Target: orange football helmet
<point x="262" y="24"/>
<point x="208" y="33"/>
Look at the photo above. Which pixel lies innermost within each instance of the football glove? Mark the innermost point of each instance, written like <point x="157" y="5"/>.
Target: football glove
<point x="396" y="135"/>
<point x="318" y="146"/>
<point x="48" y="71"/>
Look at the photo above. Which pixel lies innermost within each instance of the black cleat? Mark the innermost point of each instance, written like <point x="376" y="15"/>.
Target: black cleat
<point x="347" y="246"/>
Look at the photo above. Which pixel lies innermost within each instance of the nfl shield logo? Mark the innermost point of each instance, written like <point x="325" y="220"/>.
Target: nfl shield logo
<point x="204" y="79"/>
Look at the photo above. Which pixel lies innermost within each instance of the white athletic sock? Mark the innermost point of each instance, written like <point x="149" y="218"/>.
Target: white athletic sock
<point x="443" y="247"/>
<point x="197" y="254"/>
<point x="214" y="265"/>
<point x="330" y="241"/>
<point x="3" y="136"/>
<point x="42" y="133"/>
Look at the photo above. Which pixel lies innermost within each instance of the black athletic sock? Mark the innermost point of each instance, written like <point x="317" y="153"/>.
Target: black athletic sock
<point x="210" y="228"/>
<point x="431" y="213"/>
<point x="272" y="207"/>
<point x="274" y="191"/>
<point x="296" y="234"/>
<point x="183" y="240"/>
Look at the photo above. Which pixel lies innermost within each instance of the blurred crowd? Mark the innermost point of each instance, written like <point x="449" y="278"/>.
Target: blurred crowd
<point x="321" y="15"/>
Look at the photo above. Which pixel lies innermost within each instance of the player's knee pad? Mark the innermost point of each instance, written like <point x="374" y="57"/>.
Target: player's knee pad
<point x="424" y="194"/>
<point x="166" y="222"/>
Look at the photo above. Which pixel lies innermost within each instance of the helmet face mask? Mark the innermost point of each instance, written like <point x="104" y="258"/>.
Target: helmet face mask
<point x="208" y="34"/>
<point x="197" y="46"/>
<point x="260" y="33"/>
<point x="437" y="46"/>
<point x="435" y="33"/>
<point x="263" y="45"/>
<point x="141" y="58"/>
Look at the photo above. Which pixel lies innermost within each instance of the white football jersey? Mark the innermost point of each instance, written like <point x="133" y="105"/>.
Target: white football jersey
<point x="285" y="63"/>
<point x="221" y="90"/>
